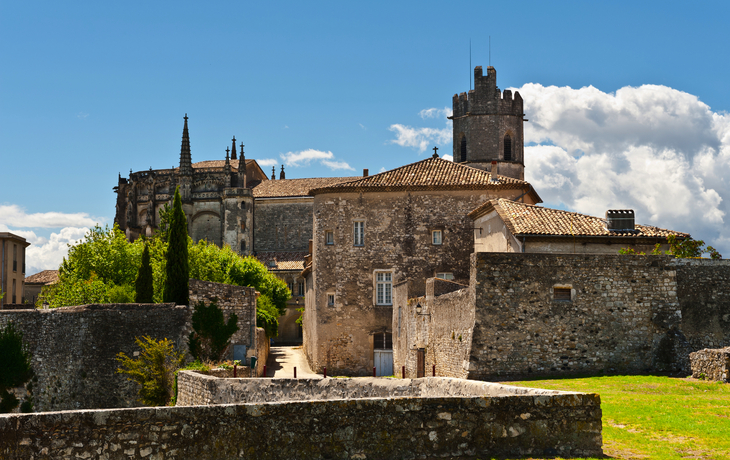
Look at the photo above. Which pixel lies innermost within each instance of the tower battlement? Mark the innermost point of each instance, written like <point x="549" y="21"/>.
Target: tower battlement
<point x="488" y="126"/>
<point x="486" y="97"/>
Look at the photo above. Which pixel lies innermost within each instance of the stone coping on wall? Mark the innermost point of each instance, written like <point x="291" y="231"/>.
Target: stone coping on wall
<point x="196" y="388"/>
<point x="515" y="422"/>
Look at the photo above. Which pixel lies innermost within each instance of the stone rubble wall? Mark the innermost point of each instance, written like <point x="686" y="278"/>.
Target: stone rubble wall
<point x="197" y="388"/>
<point x="565" y="424"/>
<point x="711" y="364"/>
<point x="626" y="314"/>
<point x="74" y="349"/>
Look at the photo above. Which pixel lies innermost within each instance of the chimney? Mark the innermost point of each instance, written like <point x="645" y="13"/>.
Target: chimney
<point x="365" y="173"/>
<point x="620" y="220"/>
<point x="311" y="244"/>
<point x="493" y="177"/>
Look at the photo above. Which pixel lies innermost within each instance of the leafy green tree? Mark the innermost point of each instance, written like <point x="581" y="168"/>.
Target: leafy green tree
<point x="267" y="316"/>
<point x="176" y="268"/>
<point x="145" y="279"/>
<point x="15" y="367"/>
<point x="211" y="333"/>
<point x="154" y="369"/>
<point x="684" y="248"/>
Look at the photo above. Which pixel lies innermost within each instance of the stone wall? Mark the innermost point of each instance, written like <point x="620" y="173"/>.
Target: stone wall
<point x="711" y="364"/>
<point x="73" y="349"/>
<point x="283" y="224"/>
<point x="392" y="428"/>
<point x="398" y="240"/>
<point x="624" y="314"/>
<point x="231" y="299"/>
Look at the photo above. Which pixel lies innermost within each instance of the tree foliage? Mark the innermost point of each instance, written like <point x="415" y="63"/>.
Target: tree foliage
<point x="267" y="316"/>
<point x="15" y="367"/>
<point x="154" y="369"/>
<point x="211" y="333"/>
<point x="144" y="285"/>
<point x="177" y="270"/>
<point x="684" y="248"/>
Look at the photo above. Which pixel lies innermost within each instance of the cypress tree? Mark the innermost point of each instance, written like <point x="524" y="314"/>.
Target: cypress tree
<point x="144" y="284"/>
<point x="177" y="269"/>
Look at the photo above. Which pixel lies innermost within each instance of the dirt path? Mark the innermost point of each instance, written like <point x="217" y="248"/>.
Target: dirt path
<point x="283" y="360"/>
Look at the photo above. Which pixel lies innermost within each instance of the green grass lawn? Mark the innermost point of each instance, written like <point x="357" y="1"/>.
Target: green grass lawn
<point x="655" y="417"/>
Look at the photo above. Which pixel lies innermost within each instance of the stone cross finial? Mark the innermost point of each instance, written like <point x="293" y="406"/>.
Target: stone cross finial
<point x="435" y="154"/>
<point x="228" y="150"/>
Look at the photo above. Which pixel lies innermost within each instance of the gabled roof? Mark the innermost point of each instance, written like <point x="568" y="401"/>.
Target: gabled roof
<point x="44" y="277"/>
<point x="526" y="219"/>
<point x="295" y="187"/>
<point x="430" y="174"/>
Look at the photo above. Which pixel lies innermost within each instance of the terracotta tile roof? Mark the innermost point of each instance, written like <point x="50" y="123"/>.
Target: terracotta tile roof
<point x="44" y="277"/>
<point x="429" y="174"/>
<point x="526" y="219"/>
<point x="282" y="260"/>
<point x="295" y="187"/>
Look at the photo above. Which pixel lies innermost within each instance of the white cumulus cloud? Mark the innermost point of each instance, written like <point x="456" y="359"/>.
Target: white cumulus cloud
<point x="654" y="149"/>
<point x="15" y="216"/>
<point x="267" y="162"/>
<point x="47" y="253"/>
<point x="422" y="138"/>
<point x="306" y="157"/>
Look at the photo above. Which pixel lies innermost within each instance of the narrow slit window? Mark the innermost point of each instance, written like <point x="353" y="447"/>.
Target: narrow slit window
<point x="507" y="148"/>
<point x="561" y="293"/>
<point x="359" y="233"/>
<point x="463" y="148"/>
<point x="329" y="237"/>
<point x="330" y="299"/>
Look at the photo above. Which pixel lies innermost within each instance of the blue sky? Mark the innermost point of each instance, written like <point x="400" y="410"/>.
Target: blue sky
<point x="92" y="89"/>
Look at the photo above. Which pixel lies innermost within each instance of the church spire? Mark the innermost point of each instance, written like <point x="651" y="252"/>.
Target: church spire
<point x="242" y="169"/>
<point x="233" y="149"/>
<point x="186" y="162"/>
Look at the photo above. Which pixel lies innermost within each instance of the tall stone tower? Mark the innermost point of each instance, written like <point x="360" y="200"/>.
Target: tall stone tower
<point x="488" y="127"/>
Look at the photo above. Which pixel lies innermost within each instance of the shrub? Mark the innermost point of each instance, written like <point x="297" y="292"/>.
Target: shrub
<point x="153" y="370"/>
<point x="15" y="367"/>
<point x="211" y="333"/>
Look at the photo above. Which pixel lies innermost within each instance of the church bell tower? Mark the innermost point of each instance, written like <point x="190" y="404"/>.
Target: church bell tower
<point x="488" y="127"/>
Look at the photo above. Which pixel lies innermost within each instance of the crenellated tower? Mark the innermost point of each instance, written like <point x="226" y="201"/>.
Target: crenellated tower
<point x="488" y="127"/>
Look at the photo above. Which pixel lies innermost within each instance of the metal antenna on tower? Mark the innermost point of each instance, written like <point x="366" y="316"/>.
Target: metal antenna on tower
<point x="490" y="50"/>
<point x="470" y="63"/>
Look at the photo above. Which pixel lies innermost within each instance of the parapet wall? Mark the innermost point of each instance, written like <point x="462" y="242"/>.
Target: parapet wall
<point x="195" y="388"/>
<point x="388" y="428"/>
<point x="73" y="349"/>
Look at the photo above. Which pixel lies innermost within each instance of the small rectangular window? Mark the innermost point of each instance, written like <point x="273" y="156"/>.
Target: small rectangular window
<point x="330" y="299"/>
<point x="300" y="287"/>
<point x="436" y="237"/>
<point x="329" y="237"/>
<point x="445" y="276"/>
<point x="359" y="233"/>
<point x="384" y="288"/>
<point x="290" y="285"/>
<point x="561" y="293"/>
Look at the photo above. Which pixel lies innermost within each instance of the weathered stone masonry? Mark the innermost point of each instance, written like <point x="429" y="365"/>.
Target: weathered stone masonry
<point x="626" y="314"/>
<point x="484" y="420"/>
<point x="73" y="349"/>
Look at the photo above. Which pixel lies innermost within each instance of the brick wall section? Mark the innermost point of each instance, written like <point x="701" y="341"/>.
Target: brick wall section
<point x="283" y="225"/>
<point x="393" y="428"/>
<point x="711" y="364"/>
<point x="73" y="349"/>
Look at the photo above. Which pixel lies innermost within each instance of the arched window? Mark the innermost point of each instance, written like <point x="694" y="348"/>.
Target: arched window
<point x="463" y="148"/>
<point x="507" y="148"/>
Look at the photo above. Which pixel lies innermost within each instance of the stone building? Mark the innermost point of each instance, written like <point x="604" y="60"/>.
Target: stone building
<point x="410" y="222"/>
<point x="12" y="268"/>
<point x="487" y="127"/>
<point x="507" y="226"/>
<point x="34" y="284"/>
